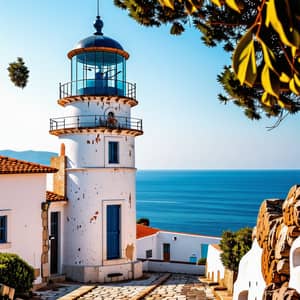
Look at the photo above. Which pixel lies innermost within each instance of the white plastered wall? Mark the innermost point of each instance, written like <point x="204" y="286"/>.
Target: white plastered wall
<point x="295" y="265"/>
<point x="21" y="196"/>
<point x="91" y="150"/>
<point x="214" y="267"/>
<point x="183" y="245"/>
<point x="147" y="243"/>
<point x="88" y="193"/>
<point x="250" y="279"/>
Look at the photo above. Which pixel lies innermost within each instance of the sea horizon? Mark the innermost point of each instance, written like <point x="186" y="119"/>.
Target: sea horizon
<point x="208" y="201"/>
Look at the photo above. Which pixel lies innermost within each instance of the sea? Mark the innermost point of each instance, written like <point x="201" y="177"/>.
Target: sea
<point x="208" y="202"/>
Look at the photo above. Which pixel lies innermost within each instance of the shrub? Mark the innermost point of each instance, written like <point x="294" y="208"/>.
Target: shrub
<point x="201" y="261"/>
<point x="234" y="246"/>
<point x="16" y="273"/>
<point x="143" y="221"/>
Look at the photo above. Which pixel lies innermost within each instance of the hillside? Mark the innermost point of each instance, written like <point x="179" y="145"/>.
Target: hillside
<point x="40" y="157"/>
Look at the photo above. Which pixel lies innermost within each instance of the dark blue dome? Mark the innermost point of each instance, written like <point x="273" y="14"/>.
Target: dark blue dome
<point x="98" y="41"/>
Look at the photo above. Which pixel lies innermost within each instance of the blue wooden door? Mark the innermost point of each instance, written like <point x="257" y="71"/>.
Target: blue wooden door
<point x="113" y="231"/>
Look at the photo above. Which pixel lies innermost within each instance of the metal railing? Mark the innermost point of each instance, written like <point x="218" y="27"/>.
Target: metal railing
<point x="97" y="87"/>
<point x="96" y="121"/>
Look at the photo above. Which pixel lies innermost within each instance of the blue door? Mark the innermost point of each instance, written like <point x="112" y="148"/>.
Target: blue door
<point x="113" y="231"/>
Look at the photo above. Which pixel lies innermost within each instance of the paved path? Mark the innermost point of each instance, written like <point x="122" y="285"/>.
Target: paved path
<point x="181" y="287"/>
<point x="177" y="287"/>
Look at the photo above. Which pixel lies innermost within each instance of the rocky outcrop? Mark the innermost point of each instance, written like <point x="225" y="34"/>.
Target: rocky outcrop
<point x="278" y="225"/>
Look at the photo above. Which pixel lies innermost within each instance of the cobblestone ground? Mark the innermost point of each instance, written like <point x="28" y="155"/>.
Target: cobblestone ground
<point x="120" y="291"/>
<point x="56" y="293"/>
<point x="181" y="287"/>
<point x="177" y="287"/>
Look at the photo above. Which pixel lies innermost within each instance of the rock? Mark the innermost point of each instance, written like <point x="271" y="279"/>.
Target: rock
<point x="269" y="211"/>
<point x="283" y="267"/>
<point x="282" y="247"/>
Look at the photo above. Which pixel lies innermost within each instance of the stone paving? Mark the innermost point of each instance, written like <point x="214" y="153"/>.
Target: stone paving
<point x="56" y="293"/>
<point x="177" y="287"/>
<point x="122" y="290"/>
<point x="181" y="287"/>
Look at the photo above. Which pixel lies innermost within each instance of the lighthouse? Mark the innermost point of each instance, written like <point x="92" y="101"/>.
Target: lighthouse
<point x="97" y="134"/>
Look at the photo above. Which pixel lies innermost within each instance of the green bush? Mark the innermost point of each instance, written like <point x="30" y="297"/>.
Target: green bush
<point x="201" y="261"/>
<point x="16" y="273"/>
<point x="143" y="221"/>
<point x="234" y="246"/>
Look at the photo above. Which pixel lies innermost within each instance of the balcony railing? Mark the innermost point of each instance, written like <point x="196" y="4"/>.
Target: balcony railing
<point x="97" y="87"/>
<point x="96" y="121"/>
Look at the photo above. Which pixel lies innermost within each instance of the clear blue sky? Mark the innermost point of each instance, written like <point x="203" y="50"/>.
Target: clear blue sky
<point x="185" y="125"/>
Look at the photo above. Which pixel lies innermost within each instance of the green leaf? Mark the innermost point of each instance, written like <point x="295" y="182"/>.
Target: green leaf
<point x="244" y="60"/>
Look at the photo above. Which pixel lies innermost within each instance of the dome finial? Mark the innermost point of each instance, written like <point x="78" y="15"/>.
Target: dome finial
<point x="98" y="24"/>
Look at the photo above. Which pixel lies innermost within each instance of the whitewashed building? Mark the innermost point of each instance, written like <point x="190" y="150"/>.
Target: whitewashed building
<point x="22" y="193"/>
<point x="171" y="251"/>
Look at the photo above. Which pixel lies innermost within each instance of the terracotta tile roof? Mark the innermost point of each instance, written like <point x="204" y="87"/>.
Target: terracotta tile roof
<point x="53" y="197"/>
<point x="15" y="166"/>
<point x="217" y="247"/>
<point x="143" y="230"/>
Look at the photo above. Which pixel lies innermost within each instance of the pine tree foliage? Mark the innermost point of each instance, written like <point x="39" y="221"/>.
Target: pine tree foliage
<point x="234" y="246"/>
<point x="18" y="73"/>
<point x="262" y="38"/>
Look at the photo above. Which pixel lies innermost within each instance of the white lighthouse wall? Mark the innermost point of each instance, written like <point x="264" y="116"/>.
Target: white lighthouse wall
<point x="89" y="191"/>
<point x="91" y="150"/>
<point x="21" y="196"/>
<point x="97" y="108"/>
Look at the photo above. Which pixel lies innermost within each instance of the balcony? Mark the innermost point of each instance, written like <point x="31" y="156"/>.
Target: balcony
<point x="96" y="123"/>
<point x="98" y="87"/>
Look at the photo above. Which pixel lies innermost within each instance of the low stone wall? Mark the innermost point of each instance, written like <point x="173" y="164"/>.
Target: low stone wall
<point x="173" y="267"/>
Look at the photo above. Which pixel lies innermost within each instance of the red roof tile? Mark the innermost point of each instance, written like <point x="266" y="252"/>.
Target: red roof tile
<point x="143" y="230"/>
<point x="15" y="166"/>
<point x="53" y="197"/>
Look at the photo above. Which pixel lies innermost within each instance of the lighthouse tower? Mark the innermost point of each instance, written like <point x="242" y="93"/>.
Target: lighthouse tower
<point x="98" y="135"/>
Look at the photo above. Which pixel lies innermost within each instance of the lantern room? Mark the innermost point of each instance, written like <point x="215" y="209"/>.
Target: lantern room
<point x="98" y="67"/>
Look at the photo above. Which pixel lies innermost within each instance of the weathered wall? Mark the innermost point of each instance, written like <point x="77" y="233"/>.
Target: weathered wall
<point x="97" y="108"/>
<point x="89" y="191"/>
<point x="91" y="150"/>
<point x="21" y="197"/>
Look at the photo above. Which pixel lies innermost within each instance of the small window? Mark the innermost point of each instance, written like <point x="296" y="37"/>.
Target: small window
<point x="148" y="253"/>
<point x="3" y="229"/>
<point x="113" y="152"/>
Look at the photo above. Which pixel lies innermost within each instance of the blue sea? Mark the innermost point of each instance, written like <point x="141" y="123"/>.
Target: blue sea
<point x="208" y="202"/>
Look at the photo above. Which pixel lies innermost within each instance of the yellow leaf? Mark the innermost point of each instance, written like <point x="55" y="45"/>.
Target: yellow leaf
<point x="284" y="77"/>
<point x="293" y="87"/>
<point x="297" y="80"/>
<point x="270" y="81"/>
<point x="289" y="36"/>
<point x="169" y="3"/>
<point x="217" y="2"/>
<point x="232" y="4"/>
<point x="266" y="99"/>
<point x="244" y="60"/>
